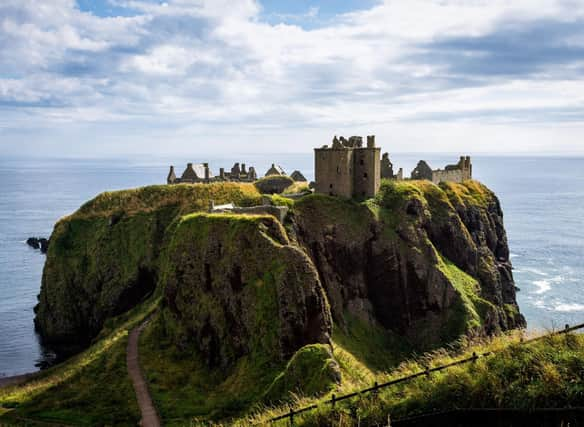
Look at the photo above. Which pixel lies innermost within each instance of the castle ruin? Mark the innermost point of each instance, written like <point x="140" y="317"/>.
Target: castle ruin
<point x="347" y="168"/>
<point x="201" y="173"/>
<point x="460" y="172"/>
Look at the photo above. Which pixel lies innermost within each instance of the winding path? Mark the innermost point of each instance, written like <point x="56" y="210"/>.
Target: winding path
<point x="147" y="409"/>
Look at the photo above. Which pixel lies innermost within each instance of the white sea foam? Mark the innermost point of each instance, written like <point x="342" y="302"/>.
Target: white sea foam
<point x="566" y="307"/>
<point x="542" y="286"/>
<point x="545" y="285"/>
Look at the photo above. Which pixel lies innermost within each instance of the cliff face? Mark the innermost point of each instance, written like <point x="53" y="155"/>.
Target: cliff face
<point x="235" y="286"/>
<point x="104" y="259"/>
<point x="424" y="262"/>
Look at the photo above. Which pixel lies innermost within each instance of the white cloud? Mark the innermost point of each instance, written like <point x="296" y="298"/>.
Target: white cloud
<point x="212" y="66"/>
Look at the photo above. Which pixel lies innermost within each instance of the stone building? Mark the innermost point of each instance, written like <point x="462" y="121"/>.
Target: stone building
<point x="193" y="173"/>
<point x="387" y="169"/>
<point x="462" y="171"/>
<point x="422" y="171"/>
<point x="201" y="173"/>
<point x="347" y="168"/>
<point x="297" y="176"/>
<point x="275" y="170"/>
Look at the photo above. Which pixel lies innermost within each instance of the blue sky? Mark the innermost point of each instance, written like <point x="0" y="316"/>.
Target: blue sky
<point x="145" y="77"/>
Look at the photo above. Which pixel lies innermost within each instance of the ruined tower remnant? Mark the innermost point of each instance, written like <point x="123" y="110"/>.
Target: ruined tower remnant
<point x="347" y="168"/>
<point x="171" y="179"/>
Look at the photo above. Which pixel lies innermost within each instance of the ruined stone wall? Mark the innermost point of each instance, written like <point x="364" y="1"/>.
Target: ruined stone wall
<point x="334" y="171"/>
<point x="439" y="176"/>
<point x="367" y="174"/>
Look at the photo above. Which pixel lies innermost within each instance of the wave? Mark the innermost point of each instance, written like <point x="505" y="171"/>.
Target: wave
<point x="569" y="307"/>
<point x="542" y="286"/>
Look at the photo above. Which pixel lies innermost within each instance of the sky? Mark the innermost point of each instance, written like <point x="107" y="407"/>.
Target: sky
<point x="107" y="78"/>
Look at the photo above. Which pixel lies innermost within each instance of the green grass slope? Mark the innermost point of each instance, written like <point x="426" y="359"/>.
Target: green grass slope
<point x="545" y="374"/>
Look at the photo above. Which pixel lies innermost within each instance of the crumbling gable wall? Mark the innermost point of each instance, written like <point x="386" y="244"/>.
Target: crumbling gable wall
<point x="460" y="172"/>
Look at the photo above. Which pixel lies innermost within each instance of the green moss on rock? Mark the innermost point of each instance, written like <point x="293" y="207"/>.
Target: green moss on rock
<point x="104" y="258"/>
<point x="239" y="288"/>
<point x="312" y="371"/>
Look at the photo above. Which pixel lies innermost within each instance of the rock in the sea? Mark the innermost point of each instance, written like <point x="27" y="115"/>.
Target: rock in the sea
<point x="33" y="242"/>
<point x="38" y="243"/>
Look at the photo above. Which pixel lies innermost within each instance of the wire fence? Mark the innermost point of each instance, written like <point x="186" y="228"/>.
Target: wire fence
<point x="425" y="373"/>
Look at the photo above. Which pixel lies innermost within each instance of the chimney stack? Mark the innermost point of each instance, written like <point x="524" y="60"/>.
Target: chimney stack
<point x="207" y="174"/>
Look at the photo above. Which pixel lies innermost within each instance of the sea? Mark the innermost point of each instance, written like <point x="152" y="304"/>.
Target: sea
<point x="542" y="198"/>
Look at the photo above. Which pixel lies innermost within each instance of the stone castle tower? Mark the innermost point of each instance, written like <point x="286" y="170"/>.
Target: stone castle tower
<point x="347" y="168"/>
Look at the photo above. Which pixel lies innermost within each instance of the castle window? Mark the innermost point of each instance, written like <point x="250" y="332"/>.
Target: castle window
<point x="365" y="175"/>
<point x="361" y="162"/>
<point x="338" y="169"/>
<point x="331" y="186"/>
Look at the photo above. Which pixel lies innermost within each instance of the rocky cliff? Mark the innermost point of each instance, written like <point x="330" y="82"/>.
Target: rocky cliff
<point x="426" y="263"/>
<point x="235" y="286"/>
<point x="105" y="258"/>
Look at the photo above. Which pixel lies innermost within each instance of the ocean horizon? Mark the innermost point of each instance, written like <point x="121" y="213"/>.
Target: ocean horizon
<point x="542" y="199"/>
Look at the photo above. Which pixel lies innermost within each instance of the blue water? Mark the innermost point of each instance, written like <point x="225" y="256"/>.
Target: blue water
<point x="543" y="201"/>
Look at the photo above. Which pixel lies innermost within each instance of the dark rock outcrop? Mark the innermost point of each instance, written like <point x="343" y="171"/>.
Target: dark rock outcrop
<point x="236" y="287"/>
<point x="422" y="261"/>
<point x="38" y="243"/>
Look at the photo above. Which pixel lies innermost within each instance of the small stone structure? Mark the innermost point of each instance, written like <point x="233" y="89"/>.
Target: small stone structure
<point x="201" y="173"/>
<point x="298" y="177"/>
<point x="278" y="212"/>
<point x="275" y="170"/>
<point x="347" y="168"/>
<point x="460" y="172"/>
<point x="422" y="171"/>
